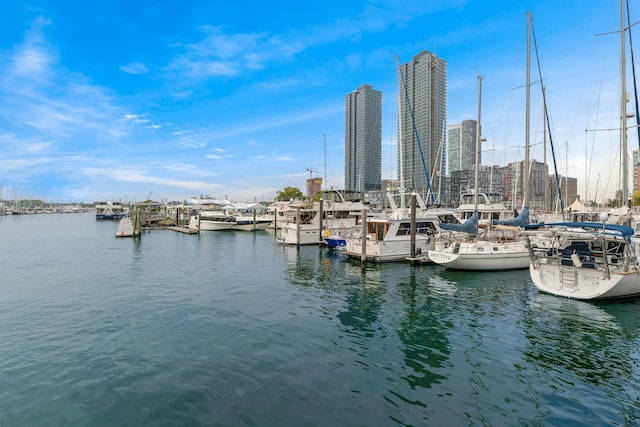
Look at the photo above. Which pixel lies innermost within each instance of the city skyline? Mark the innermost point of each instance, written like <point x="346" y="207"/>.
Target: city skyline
<point x="123" y="101"/>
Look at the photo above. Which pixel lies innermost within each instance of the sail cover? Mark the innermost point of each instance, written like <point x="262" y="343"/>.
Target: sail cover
<point x="470" y="226"/>
<point x="520" y="221"/>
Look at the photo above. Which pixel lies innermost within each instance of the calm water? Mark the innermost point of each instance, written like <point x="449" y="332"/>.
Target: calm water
<point x="233" y="329"/>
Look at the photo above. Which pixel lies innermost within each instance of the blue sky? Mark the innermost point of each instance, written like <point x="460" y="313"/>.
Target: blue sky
<point x="121" y="99"/>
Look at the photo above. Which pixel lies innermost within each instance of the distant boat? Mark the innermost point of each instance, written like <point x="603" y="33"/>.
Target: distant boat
<point x="211" y="221"/>
<point x="249" y="223"/>
<point x="247" y="218"/>
<point x="109" y="211"/>
<point x="337" y="214"/>
<point x="490" y="207"/>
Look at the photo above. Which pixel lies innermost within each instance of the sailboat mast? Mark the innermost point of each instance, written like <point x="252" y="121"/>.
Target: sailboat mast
<point x="623" y="109"/>
<point x="544" y="144"/>
<point x="478" y="148"/>
<point x="325" y="162"/>
<point x="525" y="198"/>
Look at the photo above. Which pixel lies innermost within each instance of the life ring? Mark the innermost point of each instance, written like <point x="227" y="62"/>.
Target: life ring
<point x="327" y="233"/>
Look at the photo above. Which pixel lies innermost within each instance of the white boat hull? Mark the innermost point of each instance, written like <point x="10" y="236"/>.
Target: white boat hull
<point x="482" y="256"/>
<point x="584" y="283"/>
<point x="310" y="233"/>
<point x="307" y="235"/>
<point x="250" y="226"/>
<point x="209" y="225"/>
<point x="480" y="262"/>
<point x="387" y="251"/>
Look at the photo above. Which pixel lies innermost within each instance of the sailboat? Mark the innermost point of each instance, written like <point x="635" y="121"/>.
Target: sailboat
<point x="490" y="248"/>
<point x="493" y="247"/>
<point x="392" y="238"/>
<point x="590" y="260"/>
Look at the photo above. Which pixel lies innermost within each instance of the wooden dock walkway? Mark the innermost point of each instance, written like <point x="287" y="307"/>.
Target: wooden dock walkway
<point x="183" y="230"/>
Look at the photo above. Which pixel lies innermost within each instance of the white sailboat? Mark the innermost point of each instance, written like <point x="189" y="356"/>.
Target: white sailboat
<point x="591" y="260"/>
<point x="490" y="248"/>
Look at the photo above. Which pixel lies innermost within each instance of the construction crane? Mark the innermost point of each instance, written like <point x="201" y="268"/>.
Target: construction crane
<point x="311" y="172"/>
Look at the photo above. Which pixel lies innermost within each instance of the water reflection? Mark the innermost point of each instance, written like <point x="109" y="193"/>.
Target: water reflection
<point x="423" y="330"/>
<point x="581" y="344"/>
<point x="461" y="347"/>
<point x="372" y="300"/>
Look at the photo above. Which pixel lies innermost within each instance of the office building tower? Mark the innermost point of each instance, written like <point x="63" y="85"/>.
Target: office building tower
<point x="462" y="146"/>
<point x="422" y="111"/>
<point x="363" y="140"/>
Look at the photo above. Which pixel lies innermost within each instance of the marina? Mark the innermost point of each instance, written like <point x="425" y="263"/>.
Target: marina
<point x="285" y="218"/>
<point x="236" y="329"/>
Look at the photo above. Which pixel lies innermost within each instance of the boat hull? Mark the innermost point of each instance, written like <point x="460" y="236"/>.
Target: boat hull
<point x="389" y="250"/>
<point x="246" y="223"/>
<point x="480" y="262"/>
<point x="335" y="242"/>
<point x="209" y="225"/>
<point x="481" y="255"/>
<point x="307" y="236"/>
<point x="584" y="283"/>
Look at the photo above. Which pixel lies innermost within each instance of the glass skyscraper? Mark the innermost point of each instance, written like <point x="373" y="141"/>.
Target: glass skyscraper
<point x="422" y="111"/>
<point x="462" y="146"/>
<point x="363" y="140"/>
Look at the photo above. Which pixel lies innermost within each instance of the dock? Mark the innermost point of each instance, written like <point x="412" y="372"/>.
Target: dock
<point x="184" y="230"/>
<point x="179" y="229"/>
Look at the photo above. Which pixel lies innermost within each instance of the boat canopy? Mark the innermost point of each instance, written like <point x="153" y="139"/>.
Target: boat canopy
<point x="623" y="230"/>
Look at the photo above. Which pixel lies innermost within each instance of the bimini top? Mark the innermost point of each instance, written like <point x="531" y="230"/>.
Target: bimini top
<point x="625" y="231"/>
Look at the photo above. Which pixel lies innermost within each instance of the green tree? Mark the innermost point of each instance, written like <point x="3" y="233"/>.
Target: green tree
<point x="636" y="198"/>
<point x="615" y="203"/>
<point x="289" y="193"/>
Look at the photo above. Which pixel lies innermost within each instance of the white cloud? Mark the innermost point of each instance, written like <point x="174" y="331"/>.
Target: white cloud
<point x="136" y="68"/>
<point x="284" y="158"/>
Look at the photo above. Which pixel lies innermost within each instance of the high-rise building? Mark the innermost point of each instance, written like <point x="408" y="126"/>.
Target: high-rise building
<point x="313" y="186"/>
<point x="513" y="183"/>
<point x="462" y="146"/>
<point x="422" y="111"/>
<point x="363" y="140"/>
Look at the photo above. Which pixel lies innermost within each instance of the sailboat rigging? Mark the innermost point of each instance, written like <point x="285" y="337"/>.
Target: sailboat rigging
<point x="498" y="247"/>
<point x="415" y="130"/>
<point x="548" y="124"/>
<point x="590" y="260"/>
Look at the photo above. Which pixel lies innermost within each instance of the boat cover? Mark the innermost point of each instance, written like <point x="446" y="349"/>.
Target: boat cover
<point x="470" y="226"/>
